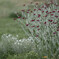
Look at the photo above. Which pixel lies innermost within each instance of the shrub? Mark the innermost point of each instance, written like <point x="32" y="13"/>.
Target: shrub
<point x="11" y="45"/>
<point x="42" y="24"/>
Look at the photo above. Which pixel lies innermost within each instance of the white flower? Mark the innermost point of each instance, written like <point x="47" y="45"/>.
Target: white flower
<point x="9" y="35"/>
<point x="18" y="43"/>
<point x="20" y="40"/>
<point x="16" y="35"/>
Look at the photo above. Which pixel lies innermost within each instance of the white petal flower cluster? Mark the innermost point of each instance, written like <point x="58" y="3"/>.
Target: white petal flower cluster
<point x="12" y="43"/>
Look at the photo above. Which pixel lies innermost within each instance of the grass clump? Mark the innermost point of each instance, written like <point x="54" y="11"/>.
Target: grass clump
<point x="15" y="14"/>
<point x="32" y="55"/>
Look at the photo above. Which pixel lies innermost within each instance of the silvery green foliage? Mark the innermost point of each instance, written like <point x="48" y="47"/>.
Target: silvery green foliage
<point x="10" y="43"/>
<point x="24" y="45"/>
<point x="43" y="25"/>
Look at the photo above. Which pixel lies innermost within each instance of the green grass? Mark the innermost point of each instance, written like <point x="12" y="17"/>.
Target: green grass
<point x="8" y="25"/>
<point x="8" y="6"/>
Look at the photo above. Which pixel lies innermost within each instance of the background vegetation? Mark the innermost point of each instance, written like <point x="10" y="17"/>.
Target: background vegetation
<point x="9" y="26"/>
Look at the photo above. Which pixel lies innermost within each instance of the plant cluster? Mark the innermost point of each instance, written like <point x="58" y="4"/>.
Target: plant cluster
<point x="42" y="23"/>
<point x="11" y="45"/>
<point x="30" y="55"/>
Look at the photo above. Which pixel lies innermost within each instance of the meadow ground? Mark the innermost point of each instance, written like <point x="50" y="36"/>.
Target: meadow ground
<point x="8" y="25"/>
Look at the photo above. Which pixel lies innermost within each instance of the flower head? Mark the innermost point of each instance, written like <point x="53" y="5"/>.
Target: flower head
<point x="39" y="15"/>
